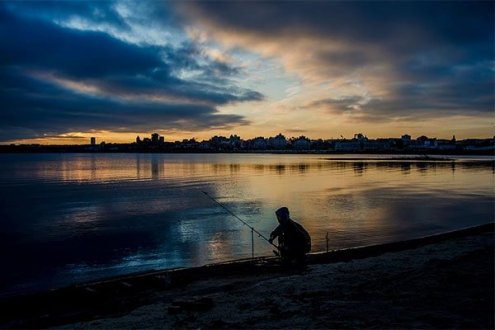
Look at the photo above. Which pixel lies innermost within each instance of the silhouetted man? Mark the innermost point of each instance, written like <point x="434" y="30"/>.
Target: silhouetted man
<point x="293" y="240"/>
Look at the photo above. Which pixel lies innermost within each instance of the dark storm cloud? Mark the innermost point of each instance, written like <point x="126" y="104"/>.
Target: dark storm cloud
<point x="373" y="22"/>
<point x="36" y="45"/>
<point x="37" y="108"/>
<point x="56" y="80"/>
<point x="431" y="59"/>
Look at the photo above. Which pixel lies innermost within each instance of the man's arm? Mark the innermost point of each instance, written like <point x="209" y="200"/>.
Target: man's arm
<point x="275" y="233"/>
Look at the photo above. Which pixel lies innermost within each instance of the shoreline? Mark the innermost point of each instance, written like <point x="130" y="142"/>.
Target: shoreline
<point x="88" y="149"/>
<point x="120" y="296"/>
<point x="409" y="155"/>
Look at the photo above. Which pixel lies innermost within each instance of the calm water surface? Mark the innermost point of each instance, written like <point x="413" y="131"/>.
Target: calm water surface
<point x="67" y="218"/>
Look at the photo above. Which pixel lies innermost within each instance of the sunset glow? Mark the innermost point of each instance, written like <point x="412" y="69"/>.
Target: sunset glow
<point x="117" y="69"/>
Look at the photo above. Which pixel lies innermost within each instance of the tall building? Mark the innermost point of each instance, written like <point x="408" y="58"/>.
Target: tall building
<point x="154" y="138"/>
<point x="93" y="141"/>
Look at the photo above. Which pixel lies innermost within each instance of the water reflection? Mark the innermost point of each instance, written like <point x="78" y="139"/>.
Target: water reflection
<point x="103" y="168"/>
<point x="91" y="215"/>
<point x="155" y="172"/>
<point x="303" y="168"/>
<point x="359" y="167"/>
<point x="93" y="167"/>
<point x="278" y="168"/>
<point x="138" y="166"/>
<point x="157" y="167"/>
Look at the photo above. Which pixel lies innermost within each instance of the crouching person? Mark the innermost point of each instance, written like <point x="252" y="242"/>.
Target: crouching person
<point x="293" y="240"/>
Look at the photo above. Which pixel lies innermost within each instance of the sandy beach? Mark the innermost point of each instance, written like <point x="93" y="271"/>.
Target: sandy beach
<point x="440" y="283"/>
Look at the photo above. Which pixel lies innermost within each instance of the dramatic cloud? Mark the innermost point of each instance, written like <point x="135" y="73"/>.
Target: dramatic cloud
<point x="372" y="61"/>
<point x="319" y="68"/>
<point x="56" y="79"/>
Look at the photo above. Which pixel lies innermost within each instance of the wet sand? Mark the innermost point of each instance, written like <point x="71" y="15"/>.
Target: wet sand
<point x="439" y="283"/>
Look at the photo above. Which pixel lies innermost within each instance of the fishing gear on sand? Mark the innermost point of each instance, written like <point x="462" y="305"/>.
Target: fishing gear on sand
<point x="243" y="222"/>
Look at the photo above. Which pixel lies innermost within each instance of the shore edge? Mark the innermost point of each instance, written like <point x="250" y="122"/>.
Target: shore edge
<point x="124" y="293"/>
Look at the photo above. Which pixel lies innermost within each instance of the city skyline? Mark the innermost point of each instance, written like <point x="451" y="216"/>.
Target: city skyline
<point x="156" y="138"/>
<point x="118" y="69"/>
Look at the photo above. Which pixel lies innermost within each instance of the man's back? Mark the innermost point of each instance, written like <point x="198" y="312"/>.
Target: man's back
<point x="296" y="235"/>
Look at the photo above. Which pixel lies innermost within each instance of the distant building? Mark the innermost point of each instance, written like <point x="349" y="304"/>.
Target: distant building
<point x="422" y="139"/>
<point x="204" y="145"/>
<point x="447" y="147"/>
<point x="138" y="140"/>
<point x="424" y="142"/>
<point x="235" y="141"/>
<point x="259" y="143"/>
<point x="406" y="139"/>
<point x="360" y="137"/>
<point x="377" y="145"/>
<point x="302" y="143"/>
<point x="154" y="138"/>
<point x="189" y="144"/>
<point x="219" y="142"/>
<point x="93" y="141"/>
<point x="431" y="143"/>
<point x="277" y="142"/>
<point x="162" y="140"/>
<point x="346" y="145"/>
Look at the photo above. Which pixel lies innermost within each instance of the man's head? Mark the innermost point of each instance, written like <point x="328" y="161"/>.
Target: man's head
<point x="282" y="215"/>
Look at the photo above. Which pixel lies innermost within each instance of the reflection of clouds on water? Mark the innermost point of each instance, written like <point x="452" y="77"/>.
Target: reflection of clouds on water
<point x="380" y="214"/>
<point x="188" y="231"/>
<point x="112" y="214"/>
<point x="105" y="168"/>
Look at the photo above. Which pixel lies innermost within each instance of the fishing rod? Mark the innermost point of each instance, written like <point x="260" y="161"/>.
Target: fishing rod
<point x="243" y="222"/>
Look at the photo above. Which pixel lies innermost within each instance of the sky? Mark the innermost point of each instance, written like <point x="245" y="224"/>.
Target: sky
<point x="71" y="70"/>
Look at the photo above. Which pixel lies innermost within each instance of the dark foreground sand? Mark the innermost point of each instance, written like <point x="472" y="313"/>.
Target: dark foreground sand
<point x="445" y="284"/>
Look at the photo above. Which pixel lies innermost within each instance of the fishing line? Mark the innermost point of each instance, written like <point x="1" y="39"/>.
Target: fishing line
<point x="243" y="222"/>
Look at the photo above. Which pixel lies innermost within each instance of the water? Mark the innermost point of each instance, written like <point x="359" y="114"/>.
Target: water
<point x="68" y="218"/>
